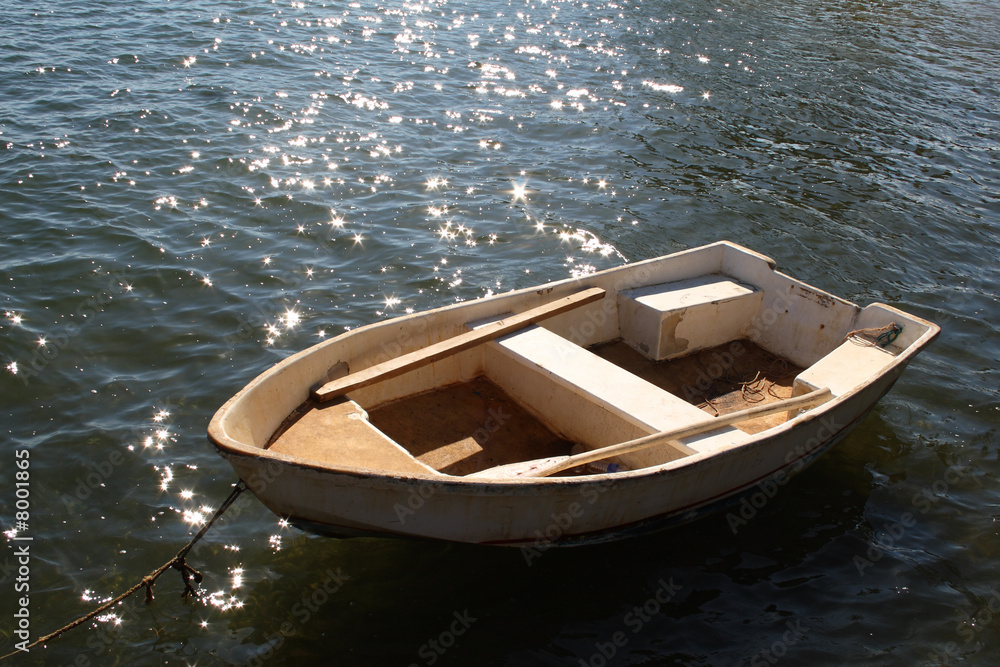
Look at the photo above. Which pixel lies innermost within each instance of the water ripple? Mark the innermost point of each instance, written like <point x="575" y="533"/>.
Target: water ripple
<point x="191" y="192"/>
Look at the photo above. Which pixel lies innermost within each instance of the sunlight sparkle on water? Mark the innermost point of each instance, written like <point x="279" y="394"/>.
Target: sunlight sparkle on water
<point x="166" y="476"/>
<point x="520" y="192"/>
<point x="222" y="601"/>
<point x="194" y="518"/>
<point x="663" y="87"/>
<point x="291" y="318"/>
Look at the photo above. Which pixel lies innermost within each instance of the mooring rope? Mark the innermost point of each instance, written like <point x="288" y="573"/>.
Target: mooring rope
<point x="177" y="562"/>
<point x="876" y="336"/>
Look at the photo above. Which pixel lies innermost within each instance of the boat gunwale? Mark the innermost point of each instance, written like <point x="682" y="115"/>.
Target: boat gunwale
<point x="499" y="484"/>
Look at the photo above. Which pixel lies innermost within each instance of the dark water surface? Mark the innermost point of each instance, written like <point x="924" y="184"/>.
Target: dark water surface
<point x="192" y="191"/>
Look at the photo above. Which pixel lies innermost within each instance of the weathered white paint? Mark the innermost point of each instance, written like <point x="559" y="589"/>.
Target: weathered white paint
<point x="673" y="319"/>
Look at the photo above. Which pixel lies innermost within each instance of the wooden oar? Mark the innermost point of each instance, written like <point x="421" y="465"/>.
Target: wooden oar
<point x="557" y="464"/>
<point x="454" y="345"/>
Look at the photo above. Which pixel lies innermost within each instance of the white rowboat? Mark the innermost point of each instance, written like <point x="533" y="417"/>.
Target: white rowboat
<point x="578" y="411"/>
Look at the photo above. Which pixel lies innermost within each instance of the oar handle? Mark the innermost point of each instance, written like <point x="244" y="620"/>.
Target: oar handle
<point x="795" y="403"/>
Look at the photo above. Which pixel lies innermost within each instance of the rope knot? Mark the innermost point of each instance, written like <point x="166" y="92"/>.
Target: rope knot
<point x="177" y="562"/>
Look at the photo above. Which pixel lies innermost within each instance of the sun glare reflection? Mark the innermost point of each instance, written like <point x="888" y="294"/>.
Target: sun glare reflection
<point x="194" y="518"/>
<point x="291" y="318"/>
<point x="519" y="191"/>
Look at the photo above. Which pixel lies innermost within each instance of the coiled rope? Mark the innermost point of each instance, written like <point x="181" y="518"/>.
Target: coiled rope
<point x="875" y="336"/>
<point x="177" y="562"/>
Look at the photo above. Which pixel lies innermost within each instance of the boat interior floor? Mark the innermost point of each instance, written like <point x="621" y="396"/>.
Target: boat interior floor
<point x="719" y="380"/>
<point x="471" y="426"/>
<point x="467" y="427"/>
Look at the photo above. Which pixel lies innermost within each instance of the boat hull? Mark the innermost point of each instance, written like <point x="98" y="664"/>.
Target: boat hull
<point x="550" y="512"/>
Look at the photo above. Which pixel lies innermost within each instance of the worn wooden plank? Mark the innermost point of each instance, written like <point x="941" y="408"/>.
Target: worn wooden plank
<point x="454" y="345"/>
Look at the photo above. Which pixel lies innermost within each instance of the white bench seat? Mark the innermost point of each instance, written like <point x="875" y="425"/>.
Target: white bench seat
<point x="852" y="363"/>
<point x="673" y="319"/>
<point x="591" y="400"/>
